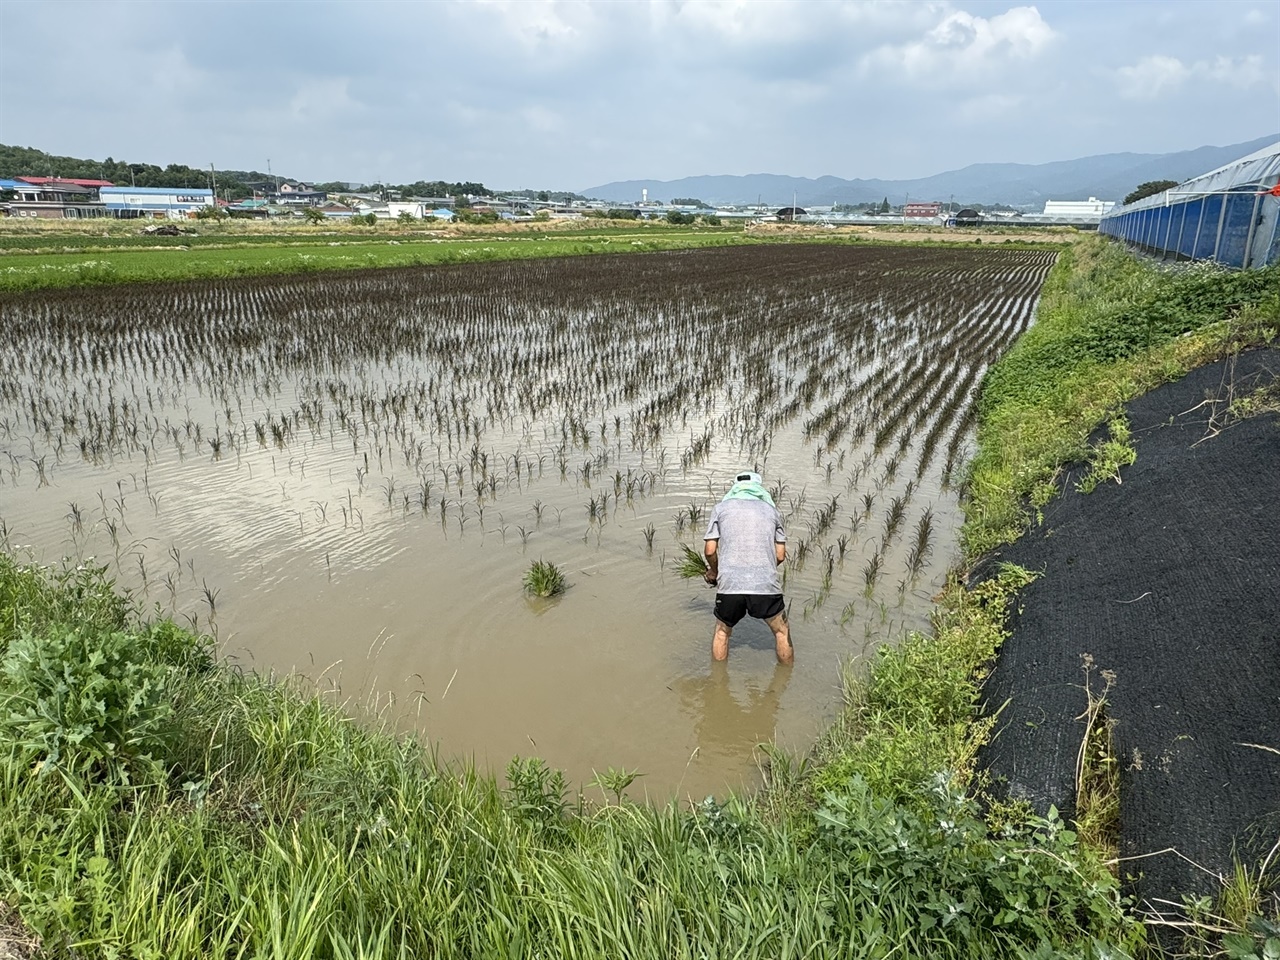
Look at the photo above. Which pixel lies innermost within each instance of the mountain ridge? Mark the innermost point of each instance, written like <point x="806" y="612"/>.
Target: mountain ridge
<point x="1107" y="176"/>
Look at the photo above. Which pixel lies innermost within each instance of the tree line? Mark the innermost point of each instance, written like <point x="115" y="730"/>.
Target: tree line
<point x="18" y="161"/>
<point x="28" y="162"/>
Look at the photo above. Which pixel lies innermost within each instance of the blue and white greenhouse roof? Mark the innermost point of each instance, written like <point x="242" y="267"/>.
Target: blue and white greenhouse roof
<point x="1259" y="169"/>
<point x="1230" y="215"/>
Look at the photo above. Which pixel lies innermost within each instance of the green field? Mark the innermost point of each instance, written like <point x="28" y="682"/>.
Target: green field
<point x="273" y="254"/>
<point x="87" y="253"/>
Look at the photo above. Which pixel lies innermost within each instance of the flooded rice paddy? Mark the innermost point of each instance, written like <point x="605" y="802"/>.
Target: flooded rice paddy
<point x="346" y="475"/>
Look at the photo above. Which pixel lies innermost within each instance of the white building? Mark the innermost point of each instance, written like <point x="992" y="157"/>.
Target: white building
<point x="176" y="203"/>
<point x="1091" y="208"/>
<point x="416" y="209"/>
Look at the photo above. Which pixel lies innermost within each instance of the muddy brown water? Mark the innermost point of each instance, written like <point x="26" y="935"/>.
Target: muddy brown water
<point x="325" y="550"/>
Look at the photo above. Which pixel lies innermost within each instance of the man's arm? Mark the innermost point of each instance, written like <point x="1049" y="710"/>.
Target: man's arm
<point x="711" y="550"/>
<point x="779" y="538"/>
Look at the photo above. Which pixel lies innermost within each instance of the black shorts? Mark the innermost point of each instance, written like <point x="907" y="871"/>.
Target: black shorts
<point x="732" y="607"/>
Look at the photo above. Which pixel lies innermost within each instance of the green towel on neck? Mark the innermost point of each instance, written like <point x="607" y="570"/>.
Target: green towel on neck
<point x="749" y="490"/>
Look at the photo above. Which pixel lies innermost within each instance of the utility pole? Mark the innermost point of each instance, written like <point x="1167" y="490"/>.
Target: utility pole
<point x="214" y="176"/>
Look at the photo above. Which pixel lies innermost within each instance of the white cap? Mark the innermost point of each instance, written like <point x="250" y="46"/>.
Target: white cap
<point x="748" y="475"/>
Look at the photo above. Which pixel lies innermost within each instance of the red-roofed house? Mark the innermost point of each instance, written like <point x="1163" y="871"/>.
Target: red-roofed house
<point x="40" y="181"/>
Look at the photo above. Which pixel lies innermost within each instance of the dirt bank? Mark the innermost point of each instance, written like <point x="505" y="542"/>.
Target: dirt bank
<point x="1171" y="580"/>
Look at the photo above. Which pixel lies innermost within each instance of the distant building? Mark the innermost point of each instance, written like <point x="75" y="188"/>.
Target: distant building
<point x="78" y="181"/>
<point x="791" y="213"/>
<point x="175" y="203"/>
<point x="1092" y="208"/>
<point x="413" y="208"/>
<point x="418" y="209"/>
<point x="256" y="208"/>
<point x="922" y="209"/>
<point x="338" y="211"/>
<point x="968" y="217"/>
<point x="49" y="198"/>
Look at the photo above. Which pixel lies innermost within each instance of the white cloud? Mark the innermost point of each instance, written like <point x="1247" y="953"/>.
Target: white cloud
<point x="322" y="98"/>
<point x="780" y="22"/>
<point x="1156" y="76"/>
<point x="538" y="23"/>
<point x="1151" y="77"/>
<point x="1236" y="71"/>
<point x="962" y="46"/>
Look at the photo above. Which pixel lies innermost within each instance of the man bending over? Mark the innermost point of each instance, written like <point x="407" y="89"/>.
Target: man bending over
<point x="745" y="545"/>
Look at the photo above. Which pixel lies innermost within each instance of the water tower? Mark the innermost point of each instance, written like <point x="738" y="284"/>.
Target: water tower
<point x="644" y="195"/>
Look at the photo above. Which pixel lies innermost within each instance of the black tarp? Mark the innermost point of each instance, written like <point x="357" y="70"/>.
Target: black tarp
<point x="1170" y="579"/>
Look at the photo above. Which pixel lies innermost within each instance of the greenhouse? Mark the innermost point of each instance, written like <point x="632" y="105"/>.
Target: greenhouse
<point x="1230" y="215"/>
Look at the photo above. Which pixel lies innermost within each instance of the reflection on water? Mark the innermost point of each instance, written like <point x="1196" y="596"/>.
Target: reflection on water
<point x="349" y="475"/>
<point x="728" y="723"/>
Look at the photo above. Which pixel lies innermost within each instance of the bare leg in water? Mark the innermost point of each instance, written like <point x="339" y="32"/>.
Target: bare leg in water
<point x="781" y="639"/>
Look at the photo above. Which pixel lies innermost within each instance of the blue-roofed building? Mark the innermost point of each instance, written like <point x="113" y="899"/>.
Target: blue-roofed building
<point x="175" y="203"/>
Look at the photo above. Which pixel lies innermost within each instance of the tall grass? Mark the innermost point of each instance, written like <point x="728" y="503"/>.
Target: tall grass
<point x="272" y="825"/>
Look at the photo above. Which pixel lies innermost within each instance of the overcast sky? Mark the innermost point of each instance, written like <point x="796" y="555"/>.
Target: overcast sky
<point x="567" y="95"/>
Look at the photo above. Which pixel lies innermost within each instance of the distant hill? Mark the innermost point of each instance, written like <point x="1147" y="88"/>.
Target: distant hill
<point x="1107" y="176"/>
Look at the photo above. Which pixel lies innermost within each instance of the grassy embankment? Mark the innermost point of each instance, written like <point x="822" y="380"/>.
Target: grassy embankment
<point x="156" y="802"/>
<point x="1111" y="328"/>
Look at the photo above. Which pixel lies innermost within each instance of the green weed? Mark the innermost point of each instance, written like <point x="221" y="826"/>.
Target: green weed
<point x="1108" y="455"/>
<point x="545" y="579"/>
<point x="1098" y="771"/>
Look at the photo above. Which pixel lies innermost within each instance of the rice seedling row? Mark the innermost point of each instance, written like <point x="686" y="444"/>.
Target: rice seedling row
<point x="350" y="473"/>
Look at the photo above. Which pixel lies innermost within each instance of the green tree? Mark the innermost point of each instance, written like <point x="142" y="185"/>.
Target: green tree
<point x="1150" y="189"/>
<point x="405" y="218"/>
<point x="711" y="220"/>
<point x="678" y="218"/>
<point x="312" y="215"/>
<point x="884" y="205"/>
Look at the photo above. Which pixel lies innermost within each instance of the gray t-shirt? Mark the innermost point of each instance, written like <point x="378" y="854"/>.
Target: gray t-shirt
<point x="747" y="531"/>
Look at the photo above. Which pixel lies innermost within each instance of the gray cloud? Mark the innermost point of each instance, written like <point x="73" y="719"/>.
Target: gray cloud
<point x="566" y="94"/>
